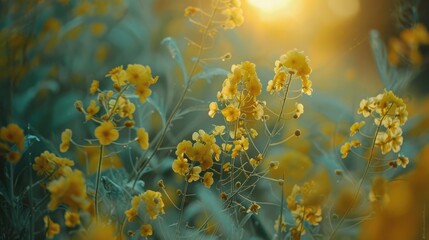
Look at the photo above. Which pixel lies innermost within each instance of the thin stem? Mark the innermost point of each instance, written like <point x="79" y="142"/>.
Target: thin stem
<point x="97" y="182"/>
<point x="142" y="163"/>
<point x="365" y="173"/>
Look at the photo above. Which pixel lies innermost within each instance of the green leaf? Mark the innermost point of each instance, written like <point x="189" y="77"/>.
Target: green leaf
<point x="175" y="53"/>
<point x="209" y="73"/>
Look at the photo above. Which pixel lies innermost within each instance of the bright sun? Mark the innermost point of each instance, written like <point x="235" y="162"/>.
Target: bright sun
<point x="269" y="5"/>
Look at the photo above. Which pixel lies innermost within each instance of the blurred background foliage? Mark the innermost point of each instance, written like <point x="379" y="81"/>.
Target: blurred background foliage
<point x="51" y="50"/>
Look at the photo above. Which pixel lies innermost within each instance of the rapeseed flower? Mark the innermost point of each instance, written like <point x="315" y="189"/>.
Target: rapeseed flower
<point x="146" y="230"/>
<point x="66" y="136"/>
<point x="13" y="134"/>
<point x="106" y="133"/>
<point x="142" y="138"/>
<point x="52" y="227"/>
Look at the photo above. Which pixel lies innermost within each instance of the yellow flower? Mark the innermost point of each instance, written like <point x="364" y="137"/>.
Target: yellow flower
<point x="52" y="227"/>
<point x="143" y="92"/>
<point x="146" y="230"/>
<point x="118" y="75"/>
<point x="65" y="140"/>
<point x="183" y="147"/>
<point x="94" y="86"/>
<point x="208" y="179"/>
<point x="383" y="141"/>
<point x="313" y="215"/>
<point x="100" y="230"/>
<point x="356" y="127"/>
<point x="345" y="149"/>
<point x="294" y="61"/>
<point x="143" y="138"/>
<point x="306" y="86"/>
<point x="180" y="166"/>
<point x="106" y="133"/>
<point x="403" y="161"/>
<point x="92" y="109"/>
<point x="194" y="174"/>
<point x="254" y="207"/>
<point x="13" y="157"/>
<point x="213" y="109"/>
<point x="218" y="130"/>
<point x="283" y="225"/>
<point x="231" y="113"/>
<point x="274" y="165"/>
<point x="190" y="10"/>
<point x="123" y="107"/>
<point x="131" y="214"/>
<point x="355" y="143"/>
<point x="69" y="189"/>
<point x="154" y="203"/>
<point x="140" y="75"/>
<point x="366" y="107"/>
<point x="98" y="28"/>
<point x="13" y="134"/>
<point x="43" y="165"/>
<point x="299" y="109"/>
<point x="71" y="219"/>
<point x="396" y="138"/>
<point x="226" y="167"/>
<point x="256" y="160"/>
<point x="234" y="17"/>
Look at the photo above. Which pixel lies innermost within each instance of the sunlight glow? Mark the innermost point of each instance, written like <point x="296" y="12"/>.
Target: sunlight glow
<point x="269" y="5"/>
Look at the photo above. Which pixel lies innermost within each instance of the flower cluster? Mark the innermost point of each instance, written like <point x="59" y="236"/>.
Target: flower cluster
<point x="70" y="190"/>
<point x="51" y="166"/>
<point x="118" y="109"/>
<point x="305" y="205"/>
<point x="202" y="151"/>
<point x="233" y="14"/>
<point x="408" y="45"/>
<point x="12" y="134"/>
<point x="292" y="64"/>
<point x="154" y="207"/>
<point x="389" y="113"/>
<point x="239" y="94"/>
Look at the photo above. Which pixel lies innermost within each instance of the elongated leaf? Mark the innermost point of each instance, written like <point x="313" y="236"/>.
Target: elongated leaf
<point x="176" y="55"/>
<point x="209" y="73"/>
<point x="380" y="55"/>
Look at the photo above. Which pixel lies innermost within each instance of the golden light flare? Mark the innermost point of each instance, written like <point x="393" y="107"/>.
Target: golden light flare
<point x="273" y="10"/>
<point x="344" y="8"/>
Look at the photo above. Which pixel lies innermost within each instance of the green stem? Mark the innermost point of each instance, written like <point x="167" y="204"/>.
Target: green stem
<point x="97" y="181"/>
<point x="365" y="173"/>
<point x="142" y="163"/>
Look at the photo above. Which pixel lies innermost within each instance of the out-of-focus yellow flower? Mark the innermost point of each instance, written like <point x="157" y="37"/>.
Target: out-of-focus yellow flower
<point x="90" y="156"/>
<point x="219" y="130"/>
<point x="52" y="25"/>
<point x="403" y="161"/>
<point x="299" y="109"/>
<point x="283" y="225"/>
<point x="140" y="75"/>
<point x="345" y="149"/>
<point x="94" y="87"/>
<point x="72" y="219"/>
<point x="194" y="174"/>
<point x="208" y="179"/>
<point x="100" y="230"/>
<point x="143" y="138"/>
<point x="213" y="108"/>
<point x="52" y="227"/>
<point x="13" y="134"/>
<point x="69" y="189"/>
<point x="66" y="136"/>
<point x="356" y="127"/>
<point x="92" y="109"/>
<point x="378" y="194"/>
<point x="131" y="214"/>
<point x="106" y="133"/>
<point x="234" y="17"/>
<point x="306" y="85"/>
<point x="146" y="230"/>
<point x="43" y="165"/>
<point x="190" y="10"/>
<point x="98" y="28"/>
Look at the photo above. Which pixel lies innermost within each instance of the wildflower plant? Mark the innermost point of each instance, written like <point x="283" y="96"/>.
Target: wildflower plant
<point x="149" y="151"/>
